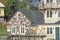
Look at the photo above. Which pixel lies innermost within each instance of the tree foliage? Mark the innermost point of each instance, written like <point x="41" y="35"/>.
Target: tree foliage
<point x="11" y="7"/>
<point x="24" y="4"/>
<point x="4" y="1"/>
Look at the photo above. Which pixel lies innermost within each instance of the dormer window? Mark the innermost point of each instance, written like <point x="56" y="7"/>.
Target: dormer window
<point x="49" y="13"/>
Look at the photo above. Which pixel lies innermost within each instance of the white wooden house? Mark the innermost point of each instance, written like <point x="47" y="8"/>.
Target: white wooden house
<point x="51" y="12"/>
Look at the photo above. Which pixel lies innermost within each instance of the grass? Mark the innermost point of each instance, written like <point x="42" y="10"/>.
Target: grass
<point x="2" y="30"/>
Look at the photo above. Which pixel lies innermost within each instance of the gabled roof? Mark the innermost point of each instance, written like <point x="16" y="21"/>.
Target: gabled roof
<point x="35" y="17"/>
<point x="1" y="5"/>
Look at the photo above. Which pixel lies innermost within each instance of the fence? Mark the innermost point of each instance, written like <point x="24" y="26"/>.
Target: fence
<point x="24" y="38"/>
<point x="20" y="38"/>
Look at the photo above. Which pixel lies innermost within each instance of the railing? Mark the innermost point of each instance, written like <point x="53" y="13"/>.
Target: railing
<point x="49" y="5"/>
<point x="24" y="37"/>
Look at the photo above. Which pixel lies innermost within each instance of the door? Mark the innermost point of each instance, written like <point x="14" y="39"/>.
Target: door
<point x="57" y="33"/>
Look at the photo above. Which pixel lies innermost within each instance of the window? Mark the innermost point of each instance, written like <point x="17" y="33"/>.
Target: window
<point x="18" y="14"/>
<point x="49" y="13"/>
<point x="22" y="29"/>
<point x="58" y="13"/>
<point x="49" y="30"/>
<point x="13" y="29"/>
<point x="49" y="1"/>
<point x="58" y="1"/>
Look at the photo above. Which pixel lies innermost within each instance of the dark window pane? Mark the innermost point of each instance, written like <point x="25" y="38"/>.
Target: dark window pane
<point x="50" y="30"/>
<point x="18" y="14"/>
<point x="58" y="13"/>
<point x="50" y="13"/>
<point x="13" y="30"/>
<point x="22" y="29"/>
<point x="47" y="13"/>
<point x="47" y="1"/>
<point x="47" y="30"/>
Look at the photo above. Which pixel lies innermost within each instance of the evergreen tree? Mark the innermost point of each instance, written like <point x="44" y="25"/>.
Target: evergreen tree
<point x="11" y="7"/>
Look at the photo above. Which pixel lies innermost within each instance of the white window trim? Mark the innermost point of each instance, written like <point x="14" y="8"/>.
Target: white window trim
<point x="48" y="14"/>
<point x="49" y="30"/>
<point x="24" y="30"/>
<point x="12" y="29"/>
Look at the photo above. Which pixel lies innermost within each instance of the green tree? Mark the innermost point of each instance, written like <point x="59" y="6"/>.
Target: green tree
<point x="24" y="4"/>
<point x="4" y="1"/>
<point x="11" y="7"/>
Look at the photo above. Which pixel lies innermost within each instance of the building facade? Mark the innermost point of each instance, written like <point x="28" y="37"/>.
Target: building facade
<point x="50" y="10"/>
<point x="1" y="12"/>
<point x="31" y="25"/>
<point x="24" y="24"/>
<point x="44" y="25"/>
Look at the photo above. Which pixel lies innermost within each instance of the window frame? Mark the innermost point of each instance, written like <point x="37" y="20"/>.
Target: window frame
<point x="58" y="13"/>
<point x="49" y="13"/>
<point x="22" y="30"/>
<point x="49" y="30"/>
<point x="57" y="1"/>
<point x="49" y="1"/>
<point x="12" y="30"/>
